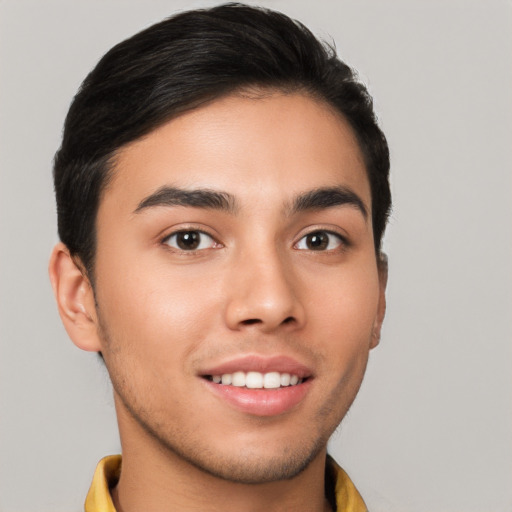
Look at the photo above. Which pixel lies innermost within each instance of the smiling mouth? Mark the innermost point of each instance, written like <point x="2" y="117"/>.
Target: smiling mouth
<point x="260" y="386"/>
<point x="256" y="380"/>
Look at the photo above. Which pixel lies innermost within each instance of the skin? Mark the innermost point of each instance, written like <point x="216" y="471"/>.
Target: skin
<point x="160" y="315"/>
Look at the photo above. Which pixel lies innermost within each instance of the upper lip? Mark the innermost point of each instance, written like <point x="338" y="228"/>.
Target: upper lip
<point x="259" y="363"/>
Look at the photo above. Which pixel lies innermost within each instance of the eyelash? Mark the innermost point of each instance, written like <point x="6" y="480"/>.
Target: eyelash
<point x="341" y="244"/>
<point x="191" y="230"/>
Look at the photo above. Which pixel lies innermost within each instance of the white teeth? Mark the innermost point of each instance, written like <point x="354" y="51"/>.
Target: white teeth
<point x="257" y="380"/>
<point x="271" y="380"/>
<point x="238" y="379"/>
<point x="285" y="379"/>
<point x="254" y="380"/>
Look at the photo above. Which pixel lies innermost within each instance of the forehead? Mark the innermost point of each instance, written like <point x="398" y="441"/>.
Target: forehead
<point x="269" y="146"/>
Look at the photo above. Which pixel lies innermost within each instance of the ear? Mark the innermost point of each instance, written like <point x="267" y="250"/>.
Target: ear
<point x="382" y="266"/>
<point x="75" y="299"/>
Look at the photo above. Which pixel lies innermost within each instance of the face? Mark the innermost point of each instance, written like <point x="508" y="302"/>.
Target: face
<point x="237" y="287"/>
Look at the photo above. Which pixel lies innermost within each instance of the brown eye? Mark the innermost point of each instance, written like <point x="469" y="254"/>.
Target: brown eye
<point x="320" y="241"/>
<point x="317" y="241"/>
<point x="191" y="240"/>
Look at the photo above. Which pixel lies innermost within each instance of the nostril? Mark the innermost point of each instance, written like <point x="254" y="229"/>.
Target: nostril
<point x="252" y="321"/>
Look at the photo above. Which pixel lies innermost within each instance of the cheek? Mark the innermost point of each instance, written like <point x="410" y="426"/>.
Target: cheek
<point x="144" y="305"/>
<point x="345" y="310"/>
<point x="347" y="320"/>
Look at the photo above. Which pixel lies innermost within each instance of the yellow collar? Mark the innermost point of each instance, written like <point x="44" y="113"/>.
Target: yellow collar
<point x="106" y="476"/>
<point x="109" y="468"/>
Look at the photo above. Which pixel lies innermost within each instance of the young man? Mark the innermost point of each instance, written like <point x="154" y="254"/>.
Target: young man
<point x="222" y="192"/>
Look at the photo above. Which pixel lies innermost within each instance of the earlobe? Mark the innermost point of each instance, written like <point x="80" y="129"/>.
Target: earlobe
<point x="75" y="299"/>
<point x="381" y="309"/>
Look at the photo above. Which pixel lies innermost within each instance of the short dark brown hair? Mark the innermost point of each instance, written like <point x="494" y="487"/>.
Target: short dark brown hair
<point x="181" y="63"/>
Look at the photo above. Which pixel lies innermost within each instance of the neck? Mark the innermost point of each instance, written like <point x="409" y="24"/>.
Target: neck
<point x="155" y="479"/>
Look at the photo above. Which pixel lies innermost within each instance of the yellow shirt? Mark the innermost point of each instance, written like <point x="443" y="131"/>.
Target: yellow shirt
<point x="109" y="468"/>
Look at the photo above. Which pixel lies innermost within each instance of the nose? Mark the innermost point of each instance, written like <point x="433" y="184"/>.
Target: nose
<point x="263" y="294"/>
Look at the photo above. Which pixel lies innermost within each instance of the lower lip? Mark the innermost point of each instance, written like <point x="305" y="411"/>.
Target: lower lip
<point x="262" y="402"/>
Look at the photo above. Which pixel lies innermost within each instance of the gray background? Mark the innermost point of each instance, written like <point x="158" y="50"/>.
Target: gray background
<point x="432" y="427"/>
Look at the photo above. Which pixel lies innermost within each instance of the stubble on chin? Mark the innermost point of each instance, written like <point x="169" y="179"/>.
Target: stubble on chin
<point x="240" y="464"/>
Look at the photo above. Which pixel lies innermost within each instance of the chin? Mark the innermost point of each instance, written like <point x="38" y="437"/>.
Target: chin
<point x="254" y="467"/>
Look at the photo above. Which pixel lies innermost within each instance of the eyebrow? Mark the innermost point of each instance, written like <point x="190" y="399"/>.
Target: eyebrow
<point x="327" y="197"/>
<point x="317" y="199"/>
<point x="197" y="198"/>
